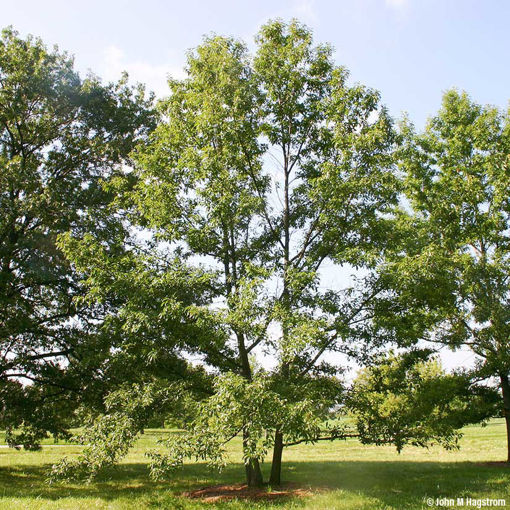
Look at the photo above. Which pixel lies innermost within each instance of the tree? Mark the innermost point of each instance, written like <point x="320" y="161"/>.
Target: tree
<point x="206" y="185"/>
<point x="60" y="137"/>
<point x="409" y="399"/>
<point x="451" y="274"/>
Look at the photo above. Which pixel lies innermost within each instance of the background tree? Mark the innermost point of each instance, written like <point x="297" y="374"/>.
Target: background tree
<point x="451" y="276"/>
<point x="409" y="399"/>
<point x="60" y="136"/>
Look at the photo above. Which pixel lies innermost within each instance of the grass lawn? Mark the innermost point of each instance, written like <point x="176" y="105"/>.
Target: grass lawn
<point x="342" y="475"/>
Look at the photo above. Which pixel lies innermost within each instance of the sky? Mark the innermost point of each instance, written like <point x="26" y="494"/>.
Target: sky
<point x="409" y="50"/>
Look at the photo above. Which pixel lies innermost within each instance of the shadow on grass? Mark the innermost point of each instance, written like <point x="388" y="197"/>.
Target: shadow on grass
<point x="396" y="484"/>
<point x="403" y="484"/>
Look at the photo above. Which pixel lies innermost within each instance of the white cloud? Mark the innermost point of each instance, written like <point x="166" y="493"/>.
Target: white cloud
<point x="153" y="76"/>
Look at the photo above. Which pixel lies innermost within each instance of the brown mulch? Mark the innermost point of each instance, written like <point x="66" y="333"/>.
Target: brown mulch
<point x="495" y="463"/>
<point x="226" y="492"/>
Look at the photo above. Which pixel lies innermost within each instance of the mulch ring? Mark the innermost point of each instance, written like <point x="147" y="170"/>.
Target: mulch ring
<point x="227" y="492"/>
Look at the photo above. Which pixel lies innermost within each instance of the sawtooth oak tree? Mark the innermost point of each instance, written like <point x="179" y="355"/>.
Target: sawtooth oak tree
<point x="59" y="137"/>
<point x="265" y="169"/>
<point x="451" y="275"/>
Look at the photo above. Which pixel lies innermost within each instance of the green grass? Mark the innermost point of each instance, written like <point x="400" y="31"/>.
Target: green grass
<point x="345" y="475"/>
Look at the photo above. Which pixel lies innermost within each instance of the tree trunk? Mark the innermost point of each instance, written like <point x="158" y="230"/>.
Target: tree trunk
<point x="253" y="473"/>
<point x="505" y="388"/>
<point x="252" y="467"/>
<point x="276" y="465"/>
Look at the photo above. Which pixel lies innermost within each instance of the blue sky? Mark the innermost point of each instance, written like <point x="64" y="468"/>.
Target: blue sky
<point x="410" y="50"/>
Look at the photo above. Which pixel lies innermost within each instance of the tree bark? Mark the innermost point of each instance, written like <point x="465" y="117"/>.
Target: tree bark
<point x="505" y="388"/>
<point x="254" y="474"/>
<point x="276" y="465"/>
<point x="252" y="468"/>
